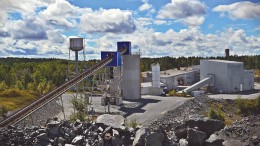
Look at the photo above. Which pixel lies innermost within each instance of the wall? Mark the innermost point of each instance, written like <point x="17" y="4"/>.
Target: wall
<point x="228" y="75"/>
<point x="131" y="85"/>
<point x="248" y="80"/>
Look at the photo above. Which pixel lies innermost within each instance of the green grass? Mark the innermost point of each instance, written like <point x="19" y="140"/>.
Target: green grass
<point x="12" y="99"/>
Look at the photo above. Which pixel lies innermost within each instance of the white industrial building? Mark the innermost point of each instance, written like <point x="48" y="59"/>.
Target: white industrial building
<point x="220" y="76"/>
<point x="226" y="76"/>
<point x="176" y="78"/>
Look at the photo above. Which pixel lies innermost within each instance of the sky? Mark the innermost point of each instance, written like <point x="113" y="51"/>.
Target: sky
<point x="156" y="28"/>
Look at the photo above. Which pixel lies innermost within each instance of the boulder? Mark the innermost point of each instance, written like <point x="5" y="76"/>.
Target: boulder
<point x="78" y="140"/>
<point x="195" y="137"/>
<point x="183" y="142"/>
<point x="140" y="136"/>
<point x="53" y="128"/>
<point x="209" y="126"/>
<point x="181" y="132"/>
<point x="117" y="141"/>
<point x="154" y="139"/>
<point x="214" y="140"/>
<point x="116" y="121"/>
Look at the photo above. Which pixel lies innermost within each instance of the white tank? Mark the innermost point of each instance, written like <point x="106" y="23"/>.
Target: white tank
<point x="76" y="44"/>
<point x="156" y="75"/>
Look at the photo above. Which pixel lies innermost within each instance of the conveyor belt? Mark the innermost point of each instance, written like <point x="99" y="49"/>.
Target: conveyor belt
<point x="25" y="112"/>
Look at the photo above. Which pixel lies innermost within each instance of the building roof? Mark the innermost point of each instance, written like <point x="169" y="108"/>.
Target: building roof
<point x="223" y="61"/>
<point x="169" y="73"/>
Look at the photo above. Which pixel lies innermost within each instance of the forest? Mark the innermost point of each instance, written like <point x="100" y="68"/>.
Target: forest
<point x="42" y="75"/>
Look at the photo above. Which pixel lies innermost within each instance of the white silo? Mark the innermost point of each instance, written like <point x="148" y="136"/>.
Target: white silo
<point x="156" y="75"/>
<point x="76" y="44"/>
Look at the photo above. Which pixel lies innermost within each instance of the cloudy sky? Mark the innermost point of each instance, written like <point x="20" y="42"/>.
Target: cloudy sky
<point x="41" y="28"/>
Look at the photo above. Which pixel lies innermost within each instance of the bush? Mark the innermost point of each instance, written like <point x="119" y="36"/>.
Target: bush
<point x="78" y="115"/>
<point x="172" y="93"/>
<point x="248" y="106"/>
<point x="132" y="123"/>
<point x="216" y="115"/>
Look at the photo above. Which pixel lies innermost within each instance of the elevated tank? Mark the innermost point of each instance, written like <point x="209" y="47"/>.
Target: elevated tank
<point x="156" y="75"/>
<point x="76" y="44"/>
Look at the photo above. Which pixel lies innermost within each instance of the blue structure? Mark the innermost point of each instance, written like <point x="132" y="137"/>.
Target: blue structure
<point x="117" y="58"/>
<point x="122" y="45"/>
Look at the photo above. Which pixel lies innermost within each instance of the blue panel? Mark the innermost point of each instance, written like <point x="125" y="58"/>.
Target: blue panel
<point x="122" y="45"/>
<point x="117" y="58"/>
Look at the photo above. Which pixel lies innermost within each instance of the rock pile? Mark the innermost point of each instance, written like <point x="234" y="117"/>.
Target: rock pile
<point x="193" y="132"/>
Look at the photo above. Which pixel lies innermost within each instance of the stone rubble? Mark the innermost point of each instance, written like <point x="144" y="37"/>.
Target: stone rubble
<point x="182" y="129"/>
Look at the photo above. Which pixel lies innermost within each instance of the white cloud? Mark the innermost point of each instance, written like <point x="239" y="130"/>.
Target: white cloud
<point x="190" y="12"/>
<point x="62" y="13"/>
<point x="111" y="20"/>
<point x="240" y="10"/>
<point x="145" y="6"/>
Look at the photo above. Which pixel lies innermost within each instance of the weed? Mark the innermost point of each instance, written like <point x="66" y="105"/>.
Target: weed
<point x="216" y="115"/>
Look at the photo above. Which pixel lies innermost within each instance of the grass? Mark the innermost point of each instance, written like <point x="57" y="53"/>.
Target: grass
<point x="12" y="99"/>
<point x="175" y="93"/>
<point x="230" y="111"/>
<point x="248" y="106"/>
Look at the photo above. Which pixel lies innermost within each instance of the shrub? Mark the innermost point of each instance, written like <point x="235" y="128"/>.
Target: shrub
<point x="78" y="115"/>
<point x="216" y="115"/>
<point x="247" y="106"/>
<point x="132" y="123"/>
<point x="172" y="93"/>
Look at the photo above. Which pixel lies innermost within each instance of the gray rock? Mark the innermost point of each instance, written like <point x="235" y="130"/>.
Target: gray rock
<point x="181" y="132"/>
<point x="154" y="139"/>
<point x="214" y="140"/>
<point x="209" y="126"/>
<point x="195" y="137"/>
<point x="117" y="141"/>
<point x="61" y="140"/>
<point x="78" y="140"/>
<point x="140" y="136"/>
<point x="183" y="142"/>
<point x="116" y="121"/>
<point x="53" y="128"/>
<point x="43" y="136"/>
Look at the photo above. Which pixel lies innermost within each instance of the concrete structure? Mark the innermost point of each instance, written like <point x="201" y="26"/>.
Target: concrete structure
<point x="156" y="75"/>
<point x="229" y="76"/>
<point x="148" y="89"/>
<point x="131" y="85"/>
<point x="175" y="78"/>
<point x="116" y="83"/>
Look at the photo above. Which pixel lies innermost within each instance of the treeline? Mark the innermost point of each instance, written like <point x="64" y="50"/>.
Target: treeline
<point x="36" y="75"/>
<point x="41" y="75"/>
<point x="250" y="62"/>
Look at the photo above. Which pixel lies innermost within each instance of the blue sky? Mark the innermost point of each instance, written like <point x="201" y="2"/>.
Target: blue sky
<point x="41" y="28"/>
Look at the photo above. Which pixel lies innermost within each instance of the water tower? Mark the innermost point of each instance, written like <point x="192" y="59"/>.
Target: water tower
<point x="76" y="44"/>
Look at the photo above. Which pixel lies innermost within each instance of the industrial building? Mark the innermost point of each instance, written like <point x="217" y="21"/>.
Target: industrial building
<point x="228" y="76"/>
<point x="220" y="76"/>
<point x="171" y="79"/>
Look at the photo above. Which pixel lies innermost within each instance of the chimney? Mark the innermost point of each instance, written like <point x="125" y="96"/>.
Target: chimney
<point x="226" y="53"/>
